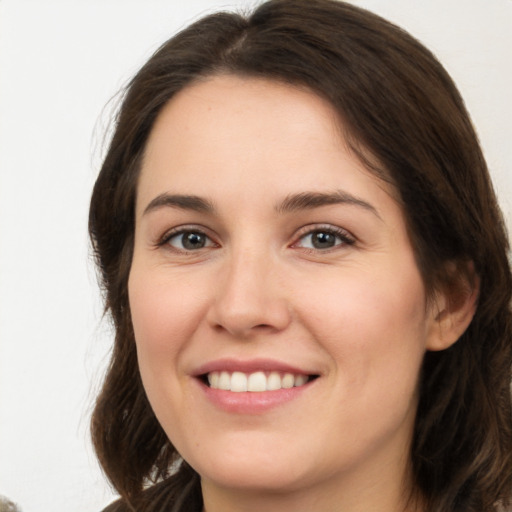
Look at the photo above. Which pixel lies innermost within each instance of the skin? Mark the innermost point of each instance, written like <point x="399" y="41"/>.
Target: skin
<point x="355" y="313"/>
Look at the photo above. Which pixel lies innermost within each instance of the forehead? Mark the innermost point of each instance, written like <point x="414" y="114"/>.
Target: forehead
<point x="248" y="133"/>
<point x="240" y="107"/>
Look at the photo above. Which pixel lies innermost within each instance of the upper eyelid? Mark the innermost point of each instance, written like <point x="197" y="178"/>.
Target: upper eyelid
<point x="306" y="230"/>
<point x="298" y="234"/>
<point x="177" y="230"/>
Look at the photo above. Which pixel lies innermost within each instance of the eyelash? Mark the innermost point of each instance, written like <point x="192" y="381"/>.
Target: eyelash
<point x="181" y="231"/>
<point x="344" y="238"/>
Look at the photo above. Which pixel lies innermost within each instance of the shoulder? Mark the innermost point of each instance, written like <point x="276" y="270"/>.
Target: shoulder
<point x="118" y="506"/>
<point x="164" y="497"/>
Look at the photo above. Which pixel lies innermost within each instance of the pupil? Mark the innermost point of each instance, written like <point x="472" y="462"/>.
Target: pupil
<point x="193" y="241"/>
<point x="323" y="240"/>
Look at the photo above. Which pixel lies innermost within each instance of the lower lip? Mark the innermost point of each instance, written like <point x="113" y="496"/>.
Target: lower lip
<point x="252" y="402"/>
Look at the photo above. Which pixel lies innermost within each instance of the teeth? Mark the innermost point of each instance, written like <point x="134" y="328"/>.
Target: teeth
<point x="257" y="382"/>
<point x="213" y="379"/>
<point x="238" y="382"/>
<point x="273" y="381"/>
<point x="224" y="381"/>
<point x="300" y="380"/>
<point x="288" y="381"/>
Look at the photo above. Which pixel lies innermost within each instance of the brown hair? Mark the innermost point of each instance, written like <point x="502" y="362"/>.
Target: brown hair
<point x="407" y="121"/>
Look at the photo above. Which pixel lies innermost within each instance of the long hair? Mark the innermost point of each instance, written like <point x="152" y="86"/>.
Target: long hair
<point x="405" y="119"/>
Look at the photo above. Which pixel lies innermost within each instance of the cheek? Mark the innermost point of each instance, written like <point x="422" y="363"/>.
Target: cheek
<point x="372" y="323"/>
<point x="164" y="315"/>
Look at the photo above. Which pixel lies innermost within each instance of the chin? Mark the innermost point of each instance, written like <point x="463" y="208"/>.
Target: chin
<point x="251" y="476"/>
<point x="247" y="465"/>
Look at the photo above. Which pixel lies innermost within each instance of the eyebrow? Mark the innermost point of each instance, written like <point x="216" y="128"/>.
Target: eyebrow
<point x="184" y="202"/>
<point x="310" y="200"/>
<point x="292" y="203"/>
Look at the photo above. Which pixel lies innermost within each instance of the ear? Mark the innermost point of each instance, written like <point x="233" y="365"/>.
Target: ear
<point x="454" y="305"/>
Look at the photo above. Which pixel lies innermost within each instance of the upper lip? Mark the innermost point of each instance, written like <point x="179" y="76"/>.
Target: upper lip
<point x="250" y="366"/>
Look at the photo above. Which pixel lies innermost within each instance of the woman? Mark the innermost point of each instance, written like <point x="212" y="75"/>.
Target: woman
<point x="307" y="272"/>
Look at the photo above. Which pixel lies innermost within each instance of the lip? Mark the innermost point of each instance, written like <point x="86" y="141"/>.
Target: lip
<point x="250" y="366"/>
<point x="251" y="403"/>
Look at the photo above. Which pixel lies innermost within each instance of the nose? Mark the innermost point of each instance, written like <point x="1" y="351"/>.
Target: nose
<point x="250" y="298"/>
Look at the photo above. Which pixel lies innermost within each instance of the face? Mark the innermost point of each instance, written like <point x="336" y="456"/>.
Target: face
<point x="279" y="314"/>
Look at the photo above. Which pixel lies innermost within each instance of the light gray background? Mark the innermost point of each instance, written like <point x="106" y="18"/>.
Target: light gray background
<point x="60" y="63"/>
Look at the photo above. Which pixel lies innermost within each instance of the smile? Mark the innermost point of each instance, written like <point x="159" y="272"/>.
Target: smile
<point x="256" y="382"/>
<point x="253" y="387"/>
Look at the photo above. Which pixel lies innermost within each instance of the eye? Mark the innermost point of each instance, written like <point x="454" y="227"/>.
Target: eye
<point x="188" y="240"/>
<point x="324" y="239"/>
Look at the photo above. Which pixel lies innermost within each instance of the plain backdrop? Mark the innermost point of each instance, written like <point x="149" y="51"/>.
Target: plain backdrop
<point x="61" y="63"/>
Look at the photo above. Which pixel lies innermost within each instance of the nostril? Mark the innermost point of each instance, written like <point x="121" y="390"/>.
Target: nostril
<point x="244" y="331"/>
